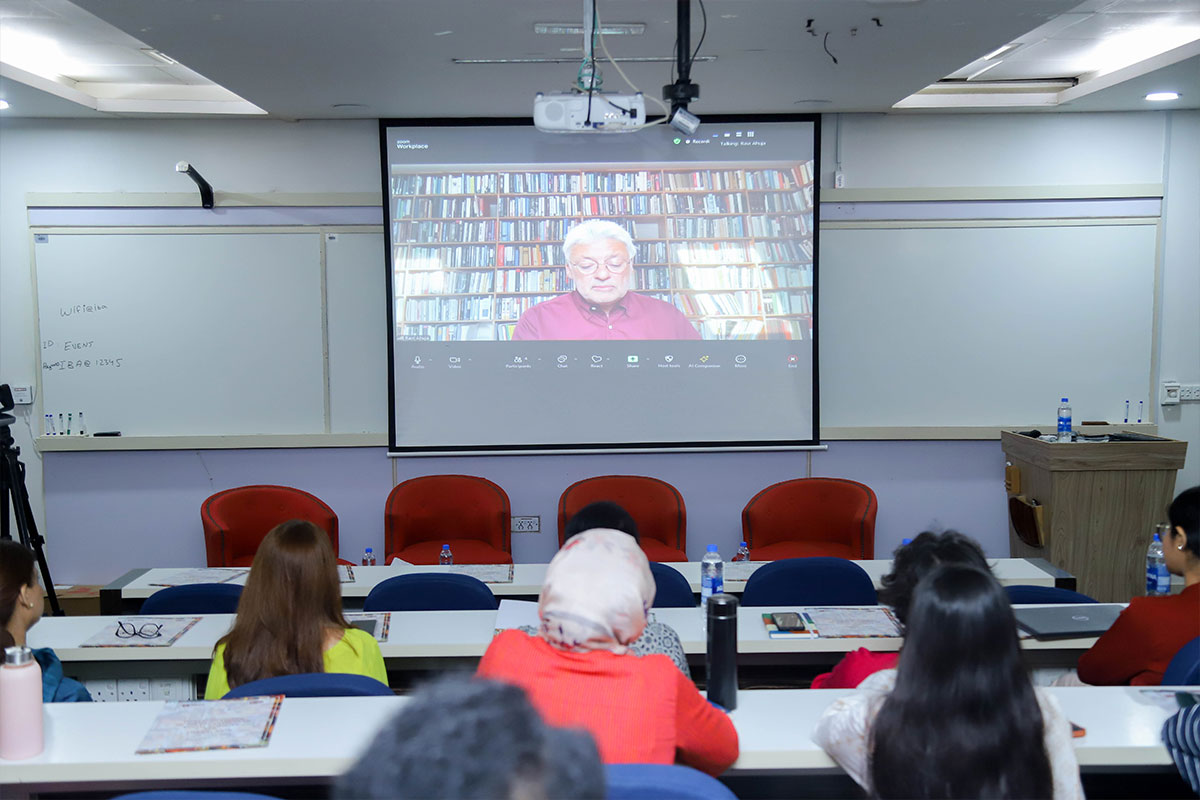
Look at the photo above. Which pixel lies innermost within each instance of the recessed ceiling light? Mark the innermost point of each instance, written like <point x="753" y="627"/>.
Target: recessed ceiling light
<point x="443" y="33"/>
<point x="982" y="70"/>
<point x="606" y="28"/>
<point x="3" y="104"/>
<point x="1159" y="97"/>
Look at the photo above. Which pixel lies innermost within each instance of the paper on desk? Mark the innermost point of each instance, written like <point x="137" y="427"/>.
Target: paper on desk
<point x="382" y="619"/>
<point x="742" y="570"/>
<point x="516" y="613"/>
<point x="172" y="628"/>
<point x="1165" y="698"/>
<point x="188" y="577"/>
<point x="345" y="573"/>
<point x="840" y="623"/>
<point x="488" y="573"/>
<point x="212" y="725"/>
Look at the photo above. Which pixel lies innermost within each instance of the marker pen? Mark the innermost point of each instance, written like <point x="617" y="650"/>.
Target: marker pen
<point x="82" y="426"/>
<point x="70" y="417"/>
<point x="49" y="424"/>
<point x="1140" y="402"/>
<point x="60" y="422"/>
<point x="1127" y="411"/>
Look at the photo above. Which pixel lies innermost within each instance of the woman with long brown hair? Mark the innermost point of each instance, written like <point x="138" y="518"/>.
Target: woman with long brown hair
<point x="22" y="601"/>
<point x="289" y="620"/>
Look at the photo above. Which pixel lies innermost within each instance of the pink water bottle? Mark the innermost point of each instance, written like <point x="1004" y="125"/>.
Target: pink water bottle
<point x="20" y="705"/>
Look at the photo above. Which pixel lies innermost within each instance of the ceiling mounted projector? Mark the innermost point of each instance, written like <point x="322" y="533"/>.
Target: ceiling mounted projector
<point x="596" y="112"/>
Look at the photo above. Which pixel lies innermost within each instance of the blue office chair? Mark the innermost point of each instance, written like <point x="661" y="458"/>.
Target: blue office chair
<point x="662" y="782"/>
<point x="198" y="598"/>
<point x="434" y="592"/>
<point x="313" y="684"/>
<point x="1184" y="669"/>
<point x="814" y="581"/>
<point x="185" y="794"/>
<point x="672" y="589"/>
<point x="1044" y="594"/>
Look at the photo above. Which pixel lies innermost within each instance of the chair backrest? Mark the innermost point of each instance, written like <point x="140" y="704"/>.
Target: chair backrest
<point x="816" y="581"/>
<point x="313" y="684"/>
<point x="672" y="590"/>
<point x="198" y="598"/>
<point x="431" y="592"/>
<point x="236" y="520"/>
<point x="1021" y="593"/>
<point x="662" y="782"/>
<point x="655" y="505"/>
<point x="1184" y="669"/>
<point x="813" y="509"/>
<point x="442" y="507"/>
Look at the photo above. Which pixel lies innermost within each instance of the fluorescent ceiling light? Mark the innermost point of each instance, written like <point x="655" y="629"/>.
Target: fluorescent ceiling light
<point x="39" y="55"/>
<point x="3" y="104"/>
<point x="1131" y="47"/>
<point x="1001" y="51"/>
<point x="576" y="28"/>
<point x="982" y="70"/>
<point x="1159" y="97"/>
<point x="158" y="55"/>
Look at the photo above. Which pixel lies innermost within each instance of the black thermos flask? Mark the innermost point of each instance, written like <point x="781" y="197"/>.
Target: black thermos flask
<point x="722" y="650"/>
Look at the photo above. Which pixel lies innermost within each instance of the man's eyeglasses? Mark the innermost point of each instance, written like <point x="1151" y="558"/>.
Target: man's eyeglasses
<point x="587" y="267"/>
<point x="148" y="630"/>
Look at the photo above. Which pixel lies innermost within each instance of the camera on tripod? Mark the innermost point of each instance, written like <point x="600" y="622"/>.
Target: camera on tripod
<point x="15" y="496"/>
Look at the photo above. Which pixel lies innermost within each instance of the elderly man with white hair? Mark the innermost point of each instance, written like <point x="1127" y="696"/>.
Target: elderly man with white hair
<point x="600" y="258"/>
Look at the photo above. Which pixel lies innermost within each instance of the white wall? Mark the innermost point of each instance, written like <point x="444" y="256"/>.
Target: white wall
<point x="104" y="512"/>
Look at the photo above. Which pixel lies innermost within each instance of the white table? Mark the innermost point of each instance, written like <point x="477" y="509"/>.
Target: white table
<point x="91" y="746"/>
<point x="126" y="593"/>
<point x="445" y="639"/>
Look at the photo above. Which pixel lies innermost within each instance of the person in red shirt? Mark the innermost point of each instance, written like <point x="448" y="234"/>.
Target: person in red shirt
<point x="910" y="563"/>
<point x="578" y="671"/>
<point x="1141" y="643"/>
<point x="599" y="255"/>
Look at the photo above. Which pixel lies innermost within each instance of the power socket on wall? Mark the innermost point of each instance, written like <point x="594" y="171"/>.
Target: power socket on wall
<point x="131" y="689"/>
<point x="102" y="691"/>
<point x="1189" y="392"/>
<point x="526" y="524"/>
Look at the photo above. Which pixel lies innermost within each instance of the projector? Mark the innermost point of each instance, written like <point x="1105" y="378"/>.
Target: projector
<point x="581" y="112"/>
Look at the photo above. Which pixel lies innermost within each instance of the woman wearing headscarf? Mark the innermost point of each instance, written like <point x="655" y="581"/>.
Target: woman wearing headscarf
<point x="579" y="671"/>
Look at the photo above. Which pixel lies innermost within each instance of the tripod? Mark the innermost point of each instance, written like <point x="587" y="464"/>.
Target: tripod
<point x="12" y="484"/>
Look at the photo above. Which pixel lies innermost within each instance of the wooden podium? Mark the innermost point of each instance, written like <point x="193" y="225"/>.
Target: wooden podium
<point x="1093" y="506"/>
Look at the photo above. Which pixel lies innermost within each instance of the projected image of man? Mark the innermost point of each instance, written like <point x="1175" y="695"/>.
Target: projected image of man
<point x="600" y="257"/>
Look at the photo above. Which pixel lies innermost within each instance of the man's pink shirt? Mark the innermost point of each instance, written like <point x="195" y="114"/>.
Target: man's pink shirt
<point x="569" y="316"/>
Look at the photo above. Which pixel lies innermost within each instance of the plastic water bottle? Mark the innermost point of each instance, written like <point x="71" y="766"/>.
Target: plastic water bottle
<point x="445" y="557"/>
<point x="368" y="558"/>
<point x="712" y="576"/>
<point x="1064" y="422"/>
<point x="1158" y="580"/>
<point x="21" y="731"/>
<point x="743" y="553"/>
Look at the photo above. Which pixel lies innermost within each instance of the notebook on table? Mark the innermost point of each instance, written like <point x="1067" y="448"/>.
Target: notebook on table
<point x="1068" y="621"/>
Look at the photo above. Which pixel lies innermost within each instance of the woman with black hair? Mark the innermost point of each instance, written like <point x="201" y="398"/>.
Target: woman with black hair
<point x="959" y="717"/>
<point x="1141" y="643"/>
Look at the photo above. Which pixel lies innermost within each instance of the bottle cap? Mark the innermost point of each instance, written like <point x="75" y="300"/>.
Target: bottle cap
<point x="1156" y="538"/>
<point x="445" y="547"/>
<point x="17" y="656"/>
<point x="743" y="544"/>
<point x="369" y="550"/>
<point x="712" y="548"/>
<point x="905" y="541"/>
<point x="1063" y="400"/>
<point x="722" y="606"/>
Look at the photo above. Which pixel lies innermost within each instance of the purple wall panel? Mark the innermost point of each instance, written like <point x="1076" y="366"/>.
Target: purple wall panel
<point x="109" y="512"/>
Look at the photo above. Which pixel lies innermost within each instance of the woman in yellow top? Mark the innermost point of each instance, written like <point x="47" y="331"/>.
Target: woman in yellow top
<point x="289" y="619"/>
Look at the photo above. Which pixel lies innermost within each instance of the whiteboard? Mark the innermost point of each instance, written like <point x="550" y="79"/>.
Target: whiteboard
<point x="356" y="302"/>
<point x="161" y="334"/>
<point x="984" y="326"/>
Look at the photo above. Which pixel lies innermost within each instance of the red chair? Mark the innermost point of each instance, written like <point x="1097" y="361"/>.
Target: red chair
<point x="811" y="517"/>
<point x="470" y="514"/>
<point x="656" y="506"/>
<point x="236" y="520"/>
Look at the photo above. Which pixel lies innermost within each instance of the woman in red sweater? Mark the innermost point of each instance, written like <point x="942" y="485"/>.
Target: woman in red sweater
<point x="578" y="671"/>
<point x="1141" y="643"/>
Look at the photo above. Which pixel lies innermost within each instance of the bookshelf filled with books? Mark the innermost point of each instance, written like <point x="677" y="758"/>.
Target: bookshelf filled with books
<point x="730" y="246"/>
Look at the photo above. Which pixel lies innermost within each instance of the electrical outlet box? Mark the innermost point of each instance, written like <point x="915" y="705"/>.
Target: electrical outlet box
<point x="526" y="524"/>
<point x="1168" y="393"/>
<point x="131" y="689"/>
<point x="1189" y="392"/>
<point x="171" y="689"/>
<point x="102" y="691"/>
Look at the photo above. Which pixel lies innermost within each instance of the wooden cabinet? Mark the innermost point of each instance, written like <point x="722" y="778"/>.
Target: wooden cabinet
<point x="1098" y="503"/>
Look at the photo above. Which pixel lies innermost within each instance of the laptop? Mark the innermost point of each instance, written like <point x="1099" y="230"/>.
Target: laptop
<point x="1068" y="621"/>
